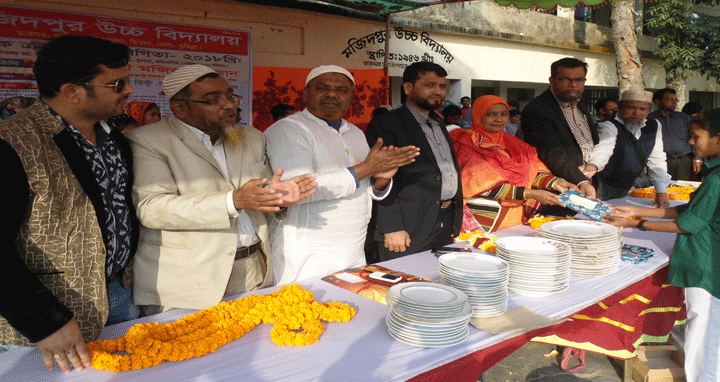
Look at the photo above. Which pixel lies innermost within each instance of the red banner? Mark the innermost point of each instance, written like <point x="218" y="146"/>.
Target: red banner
<point x="39" y="24"/>
<point x="156" y="50"/>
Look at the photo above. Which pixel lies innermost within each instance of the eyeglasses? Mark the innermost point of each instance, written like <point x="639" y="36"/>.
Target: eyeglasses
<point x="119" y="85"/>
<point x="568" y="81"/>
<point x="215" y="101"/>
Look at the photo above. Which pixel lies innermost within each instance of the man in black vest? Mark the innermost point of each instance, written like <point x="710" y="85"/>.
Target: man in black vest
<point x="628" y="142"/>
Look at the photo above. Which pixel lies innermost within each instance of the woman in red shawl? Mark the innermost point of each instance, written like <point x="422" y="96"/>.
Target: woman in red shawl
<point x="503" y="180"/>
<point x="144" y="113"/>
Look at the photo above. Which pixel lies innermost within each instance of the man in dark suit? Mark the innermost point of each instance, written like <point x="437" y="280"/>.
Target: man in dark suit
<point x="69" y="229"/>
<point x="562" y="132"/>
<point x="424" y="208"/>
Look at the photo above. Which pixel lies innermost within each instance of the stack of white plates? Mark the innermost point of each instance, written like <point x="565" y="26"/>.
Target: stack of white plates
<point x="428" y="314"/>
<point x="596" y="246"/>
<point x="483" y="278"/>
<point x="538" y="266"/>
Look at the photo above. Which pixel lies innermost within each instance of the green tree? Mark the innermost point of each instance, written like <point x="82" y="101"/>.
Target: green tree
<point x="687" y="42"/>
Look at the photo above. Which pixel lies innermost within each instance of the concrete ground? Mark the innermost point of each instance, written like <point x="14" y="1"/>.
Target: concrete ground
<point x="530" y="363"/>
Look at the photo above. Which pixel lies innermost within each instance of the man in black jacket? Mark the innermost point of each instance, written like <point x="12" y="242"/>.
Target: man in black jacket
<point x="424" y="208"/>
<point x="562" y="132"/>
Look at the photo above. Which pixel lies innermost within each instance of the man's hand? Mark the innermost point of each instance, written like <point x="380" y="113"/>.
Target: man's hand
<point x="68" y="344"/>
<point x="292" y="190"/>
<point x="387" y="175"/>
<point x="589" y="170"/>
<point x="382" y="161"/>
<point x="563" y="185"/>
<point x="397" y="241"/>
<point x="253" y="196"/>
<point x="661" y="200"/>
<point x="587" y="189"/>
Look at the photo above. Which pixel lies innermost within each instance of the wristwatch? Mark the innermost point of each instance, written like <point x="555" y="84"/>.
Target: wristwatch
<point x="641" y="225"/>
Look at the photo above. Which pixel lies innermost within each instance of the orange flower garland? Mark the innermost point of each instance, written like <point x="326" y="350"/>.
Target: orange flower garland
<point x="479" y="240"/>
<point x="677" y="193"/>
<point x="291" y="309"/>
<point x="538" y="220"/>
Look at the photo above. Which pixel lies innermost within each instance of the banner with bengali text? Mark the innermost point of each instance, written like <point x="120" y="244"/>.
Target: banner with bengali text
<point x="157" y="49"/>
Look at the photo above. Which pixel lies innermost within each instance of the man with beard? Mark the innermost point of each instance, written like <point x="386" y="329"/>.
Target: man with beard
<point x="424" y="208"/>
<point x="201" y="192"/>
<point x="629" y="142"/>
<point x="562" y="131"/>
<point x="68" y="229"/>
<point x="326" y="232"/>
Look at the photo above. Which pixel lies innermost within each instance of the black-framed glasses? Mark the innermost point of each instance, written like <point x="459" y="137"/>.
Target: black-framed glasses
<point x="118" y="86"/>
<point x="215" y="101"/>
<point x="568" y="81"/>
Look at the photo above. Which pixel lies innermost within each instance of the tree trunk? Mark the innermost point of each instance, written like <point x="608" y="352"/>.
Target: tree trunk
<point x="679" y="84"/>
<point x="624" y="37"/>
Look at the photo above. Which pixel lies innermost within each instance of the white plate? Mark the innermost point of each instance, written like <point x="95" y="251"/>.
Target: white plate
<point x="532" y="245"/>
<point x="424" y="319"/>
<point x="455" y="281"/>
<point x="474" y="276"/>
<point x="417" y="330"/>
<point x="473" y="263"/>
<point x="579" y="228"/>
<point x="432" y="344"/>
<point x="428" y="294"/>
<point x="530" y="293"/>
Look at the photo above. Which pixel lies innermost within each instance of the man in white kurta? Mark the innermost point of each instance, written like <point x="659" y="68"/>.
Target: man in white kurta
<point x="325" y="233"/>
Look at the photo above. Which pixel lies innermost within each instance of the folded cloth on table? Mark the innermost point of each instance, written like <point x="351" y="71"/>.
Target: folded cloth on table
<point x="516" y="320"/>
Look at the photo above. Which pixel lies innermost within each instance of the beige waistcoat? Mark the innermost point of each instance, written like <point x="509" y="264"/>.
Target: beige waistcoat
<point x="60" y="237"/>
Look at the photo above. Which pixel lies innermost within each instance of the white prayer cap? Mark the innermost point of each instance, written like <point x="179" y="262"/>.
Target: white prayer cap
<point x="328" y="69"/>
<point x="636" y="95"/>
<point x="183" y="76"/>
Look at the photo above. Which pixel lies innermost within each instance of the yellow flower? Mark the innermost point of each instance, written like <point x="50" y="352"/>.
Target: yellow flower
<point x="677" y="193"/>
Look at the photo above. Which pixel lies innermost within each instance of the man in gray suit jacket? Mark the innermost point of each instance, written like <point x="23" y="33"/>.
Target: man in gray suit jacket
<point x="201" y="194"/>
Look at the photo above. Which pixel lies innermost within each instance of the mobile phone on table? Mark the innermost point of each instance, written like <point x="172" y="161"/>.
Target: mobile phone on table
<point x="387" y="277"/>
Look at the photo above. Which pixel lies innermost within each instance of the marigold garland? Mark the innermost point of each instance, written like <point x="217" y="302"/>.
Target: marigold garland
<point x="290" y="310"/>
<point x="538" y="220"/>
<point x="479" y="240"/>
<point x="677" y="193"/>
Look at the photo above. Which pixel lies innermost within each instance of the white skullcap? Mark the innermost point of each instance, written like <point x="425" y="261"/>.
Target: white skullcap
<point x="183" y="76"/>
<point x="636" y="95"/>
<point x="328" y="69"/>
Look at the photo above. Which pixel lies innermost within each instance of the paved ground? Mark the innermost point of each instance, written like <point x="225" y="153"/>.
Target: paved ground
<point x="530" y="364"/>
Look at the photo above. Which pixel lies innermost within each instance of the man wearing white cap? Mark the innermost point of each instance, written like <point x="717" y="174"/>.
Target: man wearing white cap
<point x="326" y="232"/>
<point x="201" y="196"/>
<point x="628" y="143"/>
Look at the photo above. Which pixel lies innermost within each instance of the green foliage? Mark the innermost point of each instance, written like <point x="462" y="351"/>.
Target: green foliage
<point x="687" y="41"/>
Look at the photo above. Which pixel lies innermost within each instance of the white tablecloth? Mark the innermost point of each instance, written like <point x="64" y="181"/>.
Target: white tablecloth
<point x="359" y="350"/>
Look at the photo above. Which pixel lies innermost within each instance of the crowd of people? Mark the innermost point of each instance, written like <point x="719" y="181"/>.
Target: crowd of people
<point x="181" y="212"/>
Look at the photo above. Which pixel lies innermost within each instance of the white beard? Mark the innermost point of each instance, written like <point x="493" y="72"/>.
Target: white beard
<point x="633" y="127"/>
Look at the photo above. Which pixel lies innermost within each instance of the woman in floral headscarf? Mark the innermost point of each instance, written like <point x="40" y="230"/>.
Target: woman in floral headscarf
<point x="504" y="183"/>
<point x="144" y="113"/>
